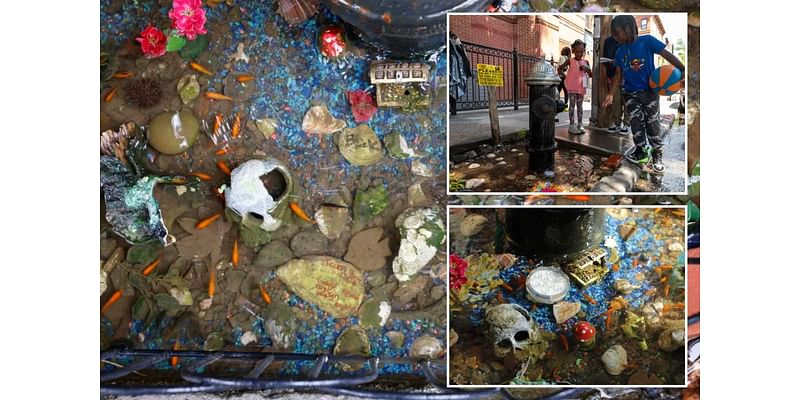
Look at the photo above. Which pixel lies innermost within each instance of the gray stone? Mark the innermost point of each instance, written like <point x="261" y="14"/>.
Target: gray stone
<point x="377" y="278"/>
<point x="107" y="246"/>
<point x="384" y="291"/>
<point x="396" y="338"/>
<point x="474" y="183"/>
<point x="408" y="290"/>
<point x="437" y="292"/>
<point x="369" y="250"/>
<point x="471" y="154"/>
<point x="416" y="196"/>
<point x="272" y="255"/>
<point x="426" y="347"/>
<point x="309" y="243"/>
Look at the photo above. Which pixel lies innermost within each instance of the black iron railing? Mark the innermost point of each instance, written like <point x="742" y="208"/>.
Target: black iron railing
<point x="197" y="374"/>
<point x="514" y="91"/>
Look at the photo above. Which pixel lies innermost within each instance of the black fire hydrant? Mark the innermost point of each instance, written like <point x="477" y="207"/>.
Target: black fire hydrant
<point x="543" y="104"/>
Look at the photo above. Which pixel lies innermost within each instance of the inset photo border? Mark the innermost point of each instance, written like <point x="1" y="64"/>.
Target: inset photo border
<point x="579" y="296"/>
<point x="501" y="64"/>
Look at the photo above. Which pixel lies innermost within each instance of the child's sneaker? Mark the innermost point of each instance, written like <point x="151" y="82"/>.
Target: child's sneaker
<point x="658" y="165"/>
<point x="573" y="129"/>
<point x="580" y="128"/>
<point x="638" y="156"/>
<point x="623" y="129"/>
<point x="613" y="129"/>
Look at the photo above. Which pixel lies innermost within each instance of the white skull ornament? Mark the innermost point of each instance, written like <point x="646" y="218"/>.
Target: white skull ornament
<point x="510" y="328"/>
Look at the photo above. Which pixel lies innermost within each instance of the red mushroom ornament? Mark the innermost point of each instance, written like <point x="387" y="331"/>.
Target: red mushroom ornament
<point x="585" y="334"/>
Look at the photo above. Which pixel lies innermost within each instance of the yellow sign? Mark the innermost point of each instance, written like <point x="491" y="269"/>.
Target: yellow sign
<point x="490" y="75"/>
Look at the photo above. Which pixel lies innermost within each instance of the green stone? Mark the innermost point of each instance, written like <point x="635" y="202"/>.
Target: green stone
<point x="272" y="255"/>
<point x="335" y="286"/>
<point x="370" y="313"/>
<point x="188" y="88"/>
<point x="397" y="146"/>
<point x="369" y="203"/>
<point x="215" y="341"/>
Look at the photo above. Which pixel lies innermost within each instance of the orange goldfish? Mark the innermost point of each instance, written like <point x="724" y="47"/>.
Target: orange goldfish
<point x="111" y="300"/>
<point x="201" y="175"/>
<point x="235" y="253"/>
<point x="224" y="167"/>
<point x="265" y="295"/>
<point x="206" y="222"/>
<point x="237" y="126"/>
<point x="217" y="96"/>
<point x="110" y="94"/>
<point x="151" y="267"/>
<point x="199" y="68"/>
<point x="299" y="212"/>
<point x="122" y="75"/>
<point x="245" y="78"/>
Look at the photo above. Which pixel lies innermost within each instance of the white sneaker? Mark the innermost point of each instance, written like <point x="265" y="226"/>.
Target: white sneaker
<point x="613" y="129"/>
<point x="623" y="130"/>
<point x="580" y="128"/>
<point x="573" y="129"/>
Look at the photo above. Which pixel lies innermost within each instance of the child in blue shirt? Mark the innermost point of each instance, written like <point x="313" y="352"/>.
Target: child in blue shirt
<point x="634" y="64"/>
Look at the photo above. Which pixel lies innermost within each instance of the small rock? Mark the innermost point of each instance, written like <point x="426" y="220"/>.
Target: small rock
<point x="107" y="246"/>
<point x="383" y="291"/>
<point x="437" y="292"/>
<point x="215" y="341"/>
<point x="671" y="340"/>
<point x="426" y="347"/>
<point x="397" y="146"/>
<point x="453" y="337"/>
<point x="266" y="126"/>
<point x="353" y="341"/>
<point x="564" y="310"/>
<point x="627" y="229"/>
<point x="474" y="183"/>
<point x="514" y="150"/>
<point x="420" y="169"/>
<point x="675" y="246"/>
<point x="408" y="290"/>
<point x="530" y="177"/>
<point x="375" y="313"/>
<point x="272" y="255"/>
<point x="188" y="88"/>
<point x="319" y="121"/>
<point x="506" y="259"/>
<point x="369" y="250"/>
<point x="396" y="338"/>
<point x="473" y="166"/>
<point x="471" y="154"/>
<point x="491" y="155"/>
<point x="182" y="295"/>
<point x="416" y="196"/>
<point x="472" y="224"/>
<point x="247" y="338"/>
<point x="376" y="278"/>
<point x="642" y="377"/>
<point x="360" y="145"/>
<point x="309" y="243"/>
<point x="502" y="163"/>
<point x="615" y="359"/>
<point x="206" y="303"/>
<point x="510" y="177"/>
<point x="499" y="159"/>
<point x="332" y="220"/>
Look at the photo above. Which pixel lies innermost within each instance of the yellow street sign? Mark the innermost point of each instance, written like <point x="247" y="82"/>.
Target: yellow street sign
<point x="490" y="75"/>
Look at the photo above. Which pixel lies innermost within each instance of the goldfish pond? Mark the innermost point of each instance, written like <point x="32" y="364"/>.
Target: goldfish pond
<point x="260" y="192"/>
<point x="567" y="296"/>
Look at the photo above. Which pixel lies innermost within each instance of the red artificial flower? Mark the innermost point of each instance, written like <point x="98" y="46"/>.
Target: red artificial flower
<point x="153" y="42"/>
<point x="188" y="18"/>
<point x="458" y="272"/>
<point x="362" y="105"/>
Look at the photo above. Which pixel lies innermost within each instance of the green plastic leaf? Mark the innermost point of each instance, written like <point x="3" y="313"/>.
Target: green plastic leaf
<point x="193" y="48"/>
<point x="143" y="253"/>
<point x="175" y="42"/>
<point x="167" y="302"/>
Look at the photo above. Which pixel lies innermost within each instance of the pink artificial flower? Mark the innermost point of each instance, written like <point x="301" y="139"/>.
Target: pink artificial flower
<point x="188" y="17"/>
<point x="153" y="42"/>
<point x="458" y="272"/>
<point x="362" y="105"/>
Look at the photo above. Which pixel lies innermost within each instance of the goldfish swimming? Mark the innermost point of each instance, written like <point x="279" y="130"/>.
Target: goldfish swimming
<point x="299" y="212"/>
<point x="217" y="96"/>
<point x="206" y="222"/>
<point x="245" y="78"/>
<point x="122" y="75"/>
<point x="205" y="177"/>
<point x="265" y="295"/>
<point x="111" y="300"/>
<point x="224" y="167"/>
<point x="235" y="253"/>
<point x="151" y="267"/>
<point x="110" y="94"/>
<point x="199" y="68"/>
<point x="237" y="126"/>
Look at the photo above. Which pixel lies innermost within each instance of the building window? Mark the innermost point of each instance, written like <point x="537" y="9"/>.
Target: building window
<point x="644" y="24"/>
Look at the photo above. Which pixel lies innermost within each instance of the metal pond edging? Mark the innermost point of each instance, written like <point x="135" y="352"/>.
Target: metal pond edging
<point x="206" y="383"/>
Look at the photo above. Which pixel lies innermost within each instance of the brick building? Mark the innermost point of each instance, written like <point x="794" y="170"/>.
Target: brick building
<point x="540" y="36"/>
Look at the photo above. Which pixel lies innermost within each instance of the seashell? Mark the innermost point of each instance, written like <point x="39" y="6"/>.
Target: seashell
<point x="615" y="359"/>
<point x="564" y="310"/>
<point x="624" y="286"/>
<point x="319" y="121"/>
<point x="426" y="347"/>
<point x="297" y="11"/>
<point x="506" y="259"/>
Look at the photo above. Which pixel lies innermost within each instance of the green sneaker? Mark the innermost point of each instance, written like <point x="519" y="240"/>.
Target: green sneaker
<point x="639" y="155"/>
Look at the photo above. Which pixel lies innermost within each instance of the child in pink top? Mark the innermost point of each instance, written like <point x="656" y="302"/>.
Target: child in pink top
<point x="577" y="68"/>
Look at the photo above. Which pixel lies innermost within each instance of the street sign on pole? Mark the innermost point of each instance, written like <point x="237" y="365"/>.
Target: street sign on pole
<point x="490" y="75"/>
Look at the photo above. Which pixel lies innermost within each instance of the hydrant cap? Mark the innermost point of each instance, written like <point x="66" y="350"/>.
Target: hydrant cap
<point x="542" y="73"/>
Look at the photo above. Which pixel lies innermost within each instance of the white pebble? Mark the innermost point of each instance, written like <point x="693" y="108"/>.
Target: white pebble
<point x="473" y="166"/>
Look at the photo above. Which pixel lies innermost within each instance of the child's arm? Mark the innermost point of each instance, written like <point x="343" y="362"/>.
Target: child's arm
<point x="563" y="66"/>
<point x="672" y="59"/>
<point x="613" y="89"/>
<point x="586" y="68"/>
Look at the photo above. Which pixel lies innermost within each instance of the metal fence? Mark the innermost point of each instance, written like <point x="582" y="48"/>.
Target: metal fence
<point x="514" y="91"/>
